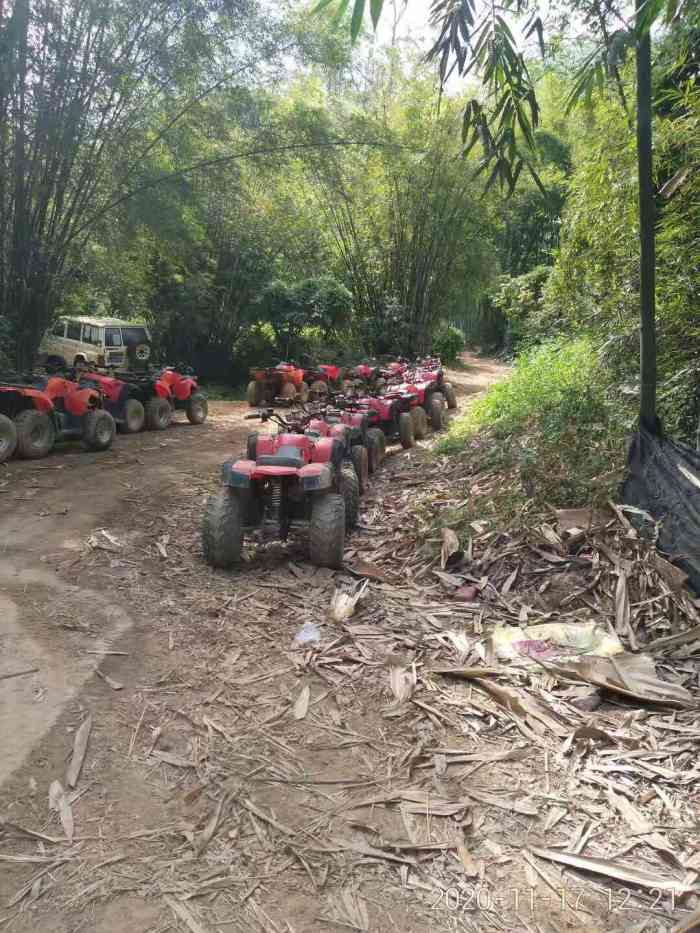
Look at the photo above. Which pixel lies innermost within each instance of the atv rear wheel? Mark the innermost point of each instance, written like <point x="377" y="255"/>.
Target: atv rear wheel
<point x="134" y="416"/>
<point x="159" y="414"/>
<point x="420" y="422"/>
<point x="222" y="529"/>
<point x="197" y="408"/>
<point x="327" y="530"/>
<point x="253" y="394"/>
<point x="376" y="447"/>
<point x="36" y="434"/>
<point x="350" y="489"/>
<point x="406" y="430"/>
<point x="8" y="438"/>
<point x="450" y="395"/>
<point x="98" y="429"/>
<point x="437" y="411"/>
<point x="360" y="460"/>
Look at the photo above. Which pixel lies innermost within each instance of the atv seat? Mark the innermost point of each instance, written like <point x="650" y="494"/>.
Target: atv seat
<point x="285" y="457"/>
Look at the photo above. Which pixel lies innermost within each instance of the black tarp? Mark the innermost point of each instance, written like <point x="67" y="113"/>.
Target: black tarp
<point x="664" y="480"/>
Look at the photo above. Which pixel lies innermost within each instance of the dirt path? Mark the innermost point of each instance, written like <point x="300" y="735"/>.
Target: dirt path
<point x="234" y="779"/>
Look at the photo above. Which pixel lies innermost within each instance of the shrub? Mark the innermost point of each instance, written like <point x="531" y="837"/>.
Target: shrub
<point x="448" y="342"/>
<point x="556" y="421"/>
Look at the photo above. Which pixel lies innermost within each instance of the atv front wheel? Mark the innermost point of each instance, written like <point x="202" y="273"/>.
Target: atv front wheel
<point x="304" y="393"/>
<point x="197" y="408"/>
<point x="98" y="430"/>
<point x="8" y="438"/>
<point x="253" y="394"/>
<point x="288" y="390"/>
<point x="350" y="489"/>
<point x="450" y="395"/>
<point x="360" y="460"/>
<point x="437" y="411"/>
<point x="159" y="414"/>
<point x="327" y="530"/>
<point x="36" y="434"/>
<point x="222" y="529"/>
<point x="134" y="416"/>
<point x="420" y="422"/>
<point x="376" y="447"/>
<point x="406" y="430"/>
<point x="318" y="389"/>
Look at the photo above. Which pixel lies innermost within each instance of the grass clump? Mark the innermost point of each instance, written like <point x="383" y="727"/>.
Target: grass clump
<point x="554" y="424"/>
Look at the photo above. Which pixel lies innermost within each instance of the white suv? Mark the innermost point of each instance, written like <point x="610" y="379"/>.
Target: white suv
<point x="100" y="341"/>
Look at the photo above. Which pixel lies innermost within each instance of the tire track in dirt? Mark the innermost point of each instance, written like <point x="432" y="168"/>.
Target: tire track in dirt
<point x="50" y="509"/>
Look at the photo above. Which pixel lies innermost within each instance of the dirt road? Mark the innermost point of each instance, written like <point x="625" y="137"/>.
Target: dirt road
<point x="235" y="780"/>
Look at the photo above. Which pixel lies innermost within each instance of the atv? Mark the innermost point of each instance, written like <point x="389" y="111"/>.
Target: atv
<point x="430" y="369"/>
<point x="321" y="380"/>
<point x="184" y="393"/>
<point x="287" y="481"/>
<point x="125" y="401"/>
<point x="149" y="397"/>
<point x="38" y="410"/>
<point x="286" y="380"/>
<point x="391" y="413"/>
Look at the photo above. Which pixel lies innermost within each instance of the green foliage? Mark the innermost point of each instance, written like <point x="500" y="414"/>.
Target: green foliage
<point x="7" y="348"/>
<point x="320" y="302"/>
<point x="555" y="422"/>
<point x="519" y="299"/>
<point x="448" y="343"/>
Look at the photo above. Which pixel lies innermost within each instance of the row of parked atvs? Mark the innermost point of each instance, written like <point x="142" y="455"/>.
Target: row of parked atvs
<point x="311" y="473"/>
<point x="39" y="409"/>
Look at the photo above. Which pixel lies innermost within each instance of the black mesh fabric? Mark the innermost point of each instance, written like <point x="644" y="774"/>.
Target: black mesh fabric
<point x="664" y="480"/>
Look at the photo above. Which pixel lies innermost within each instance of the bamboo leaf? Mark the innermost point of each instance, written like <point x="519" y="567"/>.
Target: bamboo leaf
<point x="356" y="21"/>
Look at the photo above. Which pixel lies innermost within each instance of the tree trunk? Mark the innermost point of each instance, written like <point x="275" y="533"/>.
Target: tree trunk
<point x="647" y="285"/>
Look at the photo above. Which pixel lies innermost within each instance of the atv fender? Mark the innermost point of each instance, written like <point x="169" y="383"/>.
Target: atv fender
<point x="315" y="477"/>
<point x="328" y="450"/>
<point x="81" y="401"/>
<point x="238" y="473"/>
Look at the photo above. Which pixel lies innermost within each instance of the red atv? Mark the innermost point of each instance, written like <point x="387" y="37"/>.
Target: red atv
<point x="322" y="380"/>
<point x="36" y="411"/>
<point x="150" y="398"/>
<point x="289" y="480"/>
<point x="183" y="393"/>
<point x="430" y="401"/>
<point x="391" y="412"/>
<point x="430" y="368"/>
<point x="285" y="381"/>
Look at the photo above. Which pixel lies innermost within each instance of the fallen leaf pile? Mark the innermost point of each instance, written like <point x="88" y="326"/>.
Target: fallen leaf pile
<point x="496" y="729"/>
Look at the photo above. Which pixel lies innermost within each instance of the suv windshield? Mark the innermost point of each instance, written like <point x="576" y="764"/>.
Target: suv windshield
<point x="134" y="335"/>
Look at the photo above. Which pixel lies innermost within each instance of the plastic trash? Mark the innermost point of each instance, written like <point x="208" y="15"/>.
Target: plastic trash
<point x="308" y="634"/>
